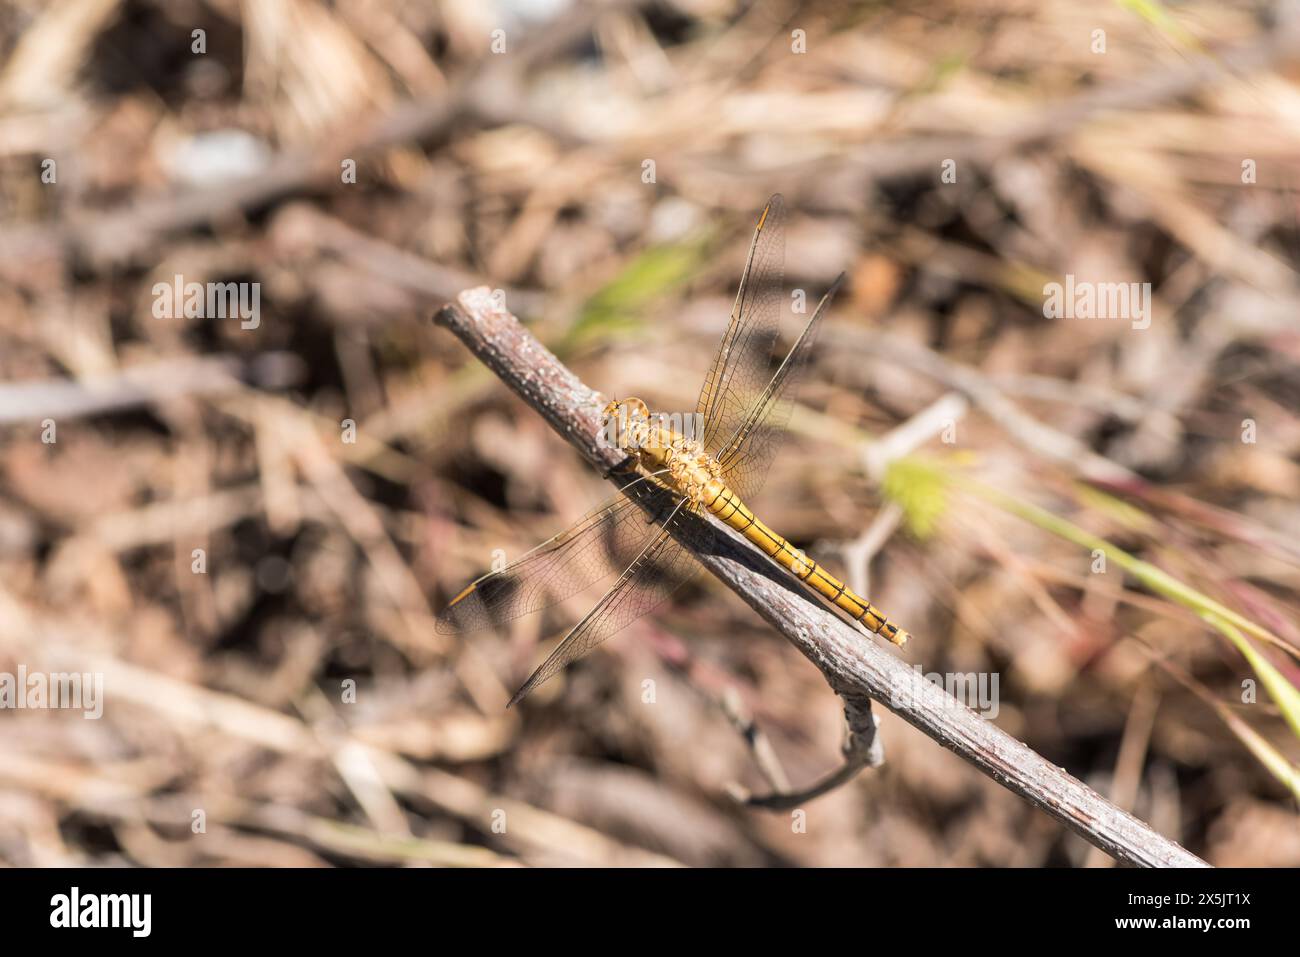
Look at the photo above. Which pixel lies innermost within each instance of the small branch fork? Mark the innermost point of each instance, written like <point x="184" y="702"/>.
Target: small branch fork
<point x="862" y="749"/>
<point x="855" y="667"/>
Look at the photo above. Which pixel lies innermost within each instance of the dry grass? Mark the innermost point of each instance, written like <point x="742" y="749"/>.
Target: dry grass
<point x="325" y="559"/>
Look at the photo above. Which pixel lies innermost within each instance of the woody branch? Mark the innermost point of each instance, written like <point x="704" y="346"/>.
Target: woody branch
<point x="853" y="666"/>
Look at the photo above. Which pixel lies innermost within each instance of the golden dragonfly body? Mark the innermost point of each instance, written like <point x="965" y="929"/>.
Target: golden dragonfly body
<point x="682" y="465"/>
<point x="640" y="533"/>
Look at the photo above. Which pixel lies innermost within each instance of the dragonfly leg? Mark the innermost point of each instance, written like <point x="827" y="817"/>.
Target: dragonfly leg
<point x="663" y="513"/>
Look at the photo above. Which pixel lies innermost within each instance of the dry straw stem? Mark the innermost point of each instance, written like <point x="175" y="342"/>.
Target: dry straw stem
<point x="852" y="665"/>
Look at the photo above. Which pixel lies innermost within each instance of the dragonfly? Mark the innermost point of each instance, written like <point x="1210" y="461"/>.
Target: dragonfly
<point x="676" y="475"/>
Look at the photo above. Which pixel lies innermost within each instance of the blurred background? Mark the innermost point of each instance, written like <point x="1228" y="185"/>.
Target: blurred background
<point x="246" y="524"/>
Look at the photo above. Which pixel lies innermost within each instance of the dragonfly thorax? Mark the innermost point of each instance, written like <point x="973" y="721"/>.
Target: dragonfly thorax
<point x="675" y="459"/>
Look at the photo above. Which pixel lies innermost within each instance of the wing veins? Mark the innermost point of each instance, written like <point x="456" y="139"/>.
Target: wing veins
<point x="537" y="579"/>
<point x="586" y="634"/>
<point x="773" y="393"/>
<point x="751" y="327"/>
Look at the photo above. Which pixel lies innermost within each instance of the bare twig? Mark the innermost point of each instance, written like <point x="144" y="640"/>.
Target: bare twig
<point x="760" y="746"/>
<point x="862" y="749"/>
<point x="140" y="385"/>
<point x="1043" y="439"/>
<point x="304" y="227"/>
<point x="853" y="666"/>
<point x="971" y="383"/>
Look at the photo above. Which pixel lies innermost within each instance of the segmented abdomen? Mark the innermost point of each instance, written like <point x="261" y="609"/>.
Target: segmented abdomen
<point x="727" y="506"/>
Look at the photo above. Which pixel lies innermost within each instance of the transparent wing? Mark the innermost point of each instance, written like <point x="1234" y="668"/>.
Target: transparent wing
<point x="662" y="567"/>
<point x="744" y="361"/>
<point x="605" y="540"/>
<point x="746" y="456"/>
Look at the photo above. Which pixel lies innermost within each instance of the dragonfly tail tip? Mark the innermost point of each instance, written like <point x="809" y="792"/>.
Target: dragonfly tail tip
<point x="895" y="634"/>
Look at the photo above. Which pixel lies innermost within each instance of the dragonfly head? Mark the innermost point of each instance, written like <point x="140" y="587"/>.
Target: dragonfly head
<point x="623" y="416"/>
<point x="625" y="420"/>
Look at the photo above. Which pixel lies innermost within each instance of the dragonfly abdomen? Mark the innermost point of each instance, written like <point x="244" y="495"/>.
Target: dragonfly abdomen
<point x="727" y="506"/>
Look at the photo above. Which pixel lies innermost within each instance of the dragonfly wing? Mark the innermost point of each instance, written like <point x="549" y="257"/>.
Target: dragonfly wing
<point x="605" y="540"/>
<point x="662" y="567"/>
<point x="747" y="455"/>
<point x="744" y="360"/>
